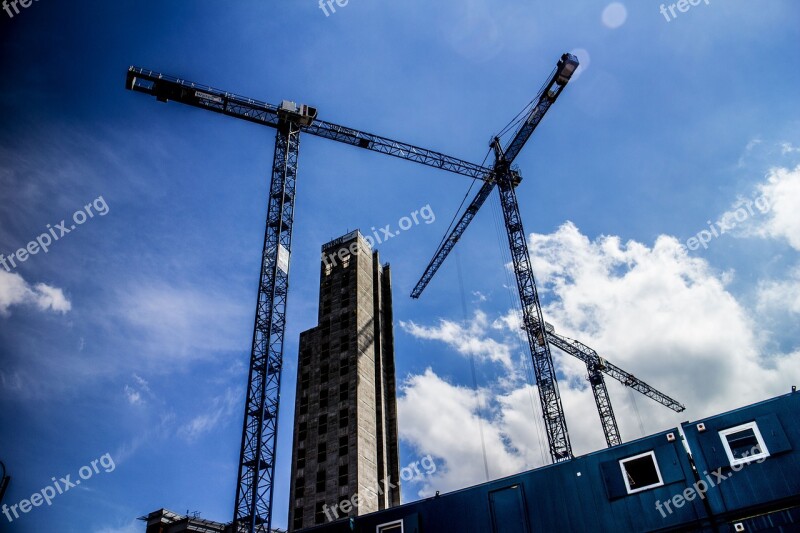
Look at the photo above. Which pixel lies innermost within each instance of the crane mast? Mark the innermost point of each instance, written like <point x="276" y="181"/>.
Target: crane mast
<point x="544" y="369"/>
<point x="260" y="426"/>
<point x="603" y="403"/>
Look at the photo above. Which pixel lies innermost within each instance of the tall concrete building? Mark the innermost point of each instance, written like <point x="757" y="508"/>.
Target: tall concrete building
<point x="345" y="427"/>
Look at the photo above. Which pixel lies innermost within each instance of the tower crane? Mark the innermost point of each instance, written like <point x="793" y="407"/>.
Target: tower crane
<point x="506" y="180"/>
<point x="256" y="471"/>
<point x="539" y="338"/>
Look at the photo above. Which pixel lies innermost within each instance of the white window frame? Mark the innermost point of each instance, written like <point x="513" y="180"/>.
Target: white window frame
<point x="380" y="528"/>
<point x="625" y="473"/>
<point x="750" y="458"/>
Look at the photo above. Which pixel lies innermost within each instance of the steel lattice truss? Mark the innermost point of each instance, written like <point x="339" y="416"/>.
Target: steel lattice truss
<point x="604" y="409"/>
<point x="549" y="398"/>
<point x="591" y="358"/>
<point x="594" y="366"/>
<point x="260" y="431"/>
<point x="447" y="245"/>
<point x="166" y="87"/>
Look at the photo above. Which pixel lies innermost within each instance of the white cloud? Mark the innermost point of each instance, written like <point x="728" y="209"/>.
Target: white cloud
<point x="14" y="291"/>
<point x="183" y="322"/>
<point x="657" y="312"/>
<point x="133" y="396"/>
<point x="141" y="382"/>
<point x="479" y="297"/>
<point x="782" y="191"/>
<point x="134" y="393"/>
<point x="446" y="421"/>
<point x="653" y="310"/>
<point x="467" y="340"/>
<point x="443" y="420"/>
<point x="221" y="408"/>
<point x="788" y="148"/>
<point x="781" y="296"/>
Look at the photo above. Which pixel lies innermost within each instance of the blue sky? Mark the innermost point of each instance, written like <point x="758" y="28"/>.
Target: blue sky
<point x="130" y="336"/>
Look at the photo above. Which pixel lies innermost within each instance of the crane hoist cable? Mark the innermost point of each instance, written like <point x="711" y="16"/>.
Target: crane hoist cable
<point x="472" y="369"/>
<point x="519" y="117"/>
<point x="636" y="410"/>
<point x="455" y="215"/>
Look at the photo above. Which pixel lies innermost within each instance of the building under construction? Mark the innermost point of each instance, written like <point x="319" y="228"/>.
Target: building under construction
<point x="345" y="425"/>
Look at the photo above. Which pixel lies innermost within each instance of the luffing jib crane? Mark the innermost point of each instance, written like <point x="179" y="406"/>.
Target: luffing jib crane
<point x="506" y="179"/>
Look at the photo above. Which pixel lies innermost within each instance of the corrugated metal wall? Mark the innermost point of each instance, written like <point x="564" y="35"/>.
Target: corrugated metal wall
<point x="589" y="493"/>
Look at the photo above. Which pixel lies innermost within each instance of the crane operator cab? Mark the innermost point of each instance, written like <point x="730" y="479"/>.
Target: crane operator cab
<point x="303" y="115"/>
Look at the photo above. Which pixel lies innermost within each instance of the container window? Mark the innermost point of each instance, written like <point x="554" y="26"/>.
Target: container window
<point x="390" y="527"/>
<point x="641" y="472"/>
<point x="743" y="444"/>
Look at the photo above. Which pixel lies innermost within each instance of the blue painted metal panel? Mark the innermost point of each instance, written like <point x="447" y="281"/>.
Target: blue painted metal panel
<point x="508" y="509"/>
<point x="588" y="493"/>
<point x="757" y="486"/>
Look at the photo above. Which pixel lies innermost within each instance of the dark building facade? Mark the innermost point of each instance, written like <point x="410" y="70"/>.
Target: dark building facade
<point x="737" y="471"/>
<point x="345" y="429"/>
<point x="164" y="521"/>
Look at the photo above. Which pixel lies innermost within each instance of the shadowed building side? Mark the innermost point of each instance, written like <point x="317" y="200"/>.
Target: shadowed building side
<point x="345" y="430"/>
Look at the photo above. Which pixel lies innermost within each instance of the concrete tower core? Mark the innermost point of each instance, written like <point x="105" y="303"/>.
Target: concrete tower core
<point x="345" y="426"/>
